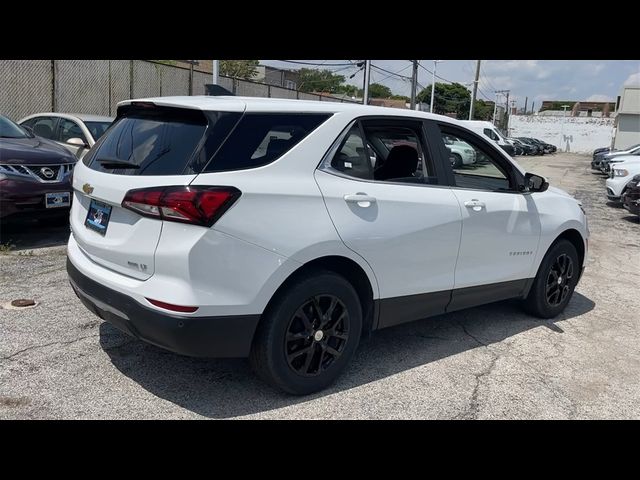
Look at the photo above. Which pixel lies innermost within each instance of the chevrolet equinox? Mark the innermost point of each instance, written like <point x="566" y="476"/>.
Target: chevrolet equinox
<point x="286" y="230"/>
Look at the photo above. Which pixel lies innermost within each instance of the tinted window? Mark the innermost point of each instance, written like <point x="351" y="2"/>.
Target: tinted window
<point x="97" y="129"/>
<point x="160" y="141"/>
<point x="475" y="165"/>
<point x="259" y="139"/>
<point x="69" y="129"/>
<point x="351" y="157"/>
<point x="401" y="155"/>
<point x="44" y="127"/>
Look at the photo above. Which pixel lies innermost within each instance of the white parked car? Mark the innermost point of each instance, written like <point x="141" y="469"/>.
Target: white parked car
<point x="461" y="152"/>
<point x="489" y="130"/>
<point x="77" y="132"/>
<point x="622" y="172"/>
<point x="284" y="230"/>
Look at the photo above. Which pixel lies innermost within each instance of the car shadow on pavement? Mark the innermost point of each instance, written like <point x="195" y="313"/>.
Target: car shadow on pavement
<point x="27" y="234"/>
<point x="222" y="388"/>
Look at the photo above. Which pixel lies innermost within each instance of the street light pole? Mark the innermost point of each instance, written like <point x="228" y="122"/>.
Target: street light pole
<point x="215" y="67"/>
<point x="433" y="84"/>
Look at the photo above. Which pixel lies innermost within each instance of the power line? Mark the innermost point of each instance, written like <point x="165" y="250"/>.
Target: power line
<point x="486" y="78"/>
<point x="437" y="76"/>
<point x="393" y="73"/>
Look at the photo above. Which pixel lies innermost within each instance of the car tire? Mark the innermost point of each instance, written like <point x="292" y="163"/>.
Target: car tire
<point x="297" y="349"/>
<point x="456" y="160"/>
<point x="555" y="281"/>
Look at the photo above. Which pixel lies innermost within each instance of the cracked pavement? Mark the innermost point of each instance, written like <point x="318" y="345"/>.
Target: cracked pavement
<point x="57" y="360"/>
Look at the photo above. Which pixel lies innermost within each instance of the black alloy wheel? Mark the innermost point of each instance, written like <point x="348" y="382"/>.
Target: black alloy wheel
<point x="317" y="335"/>
<point x="559" y="280"/>
<point x="308" y="333"/>
<point x="555" y="282"/>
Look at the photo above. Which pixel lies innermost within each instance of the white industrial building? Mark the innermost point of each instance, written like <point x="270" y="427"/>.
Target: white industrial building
<point x="627" y="123"/>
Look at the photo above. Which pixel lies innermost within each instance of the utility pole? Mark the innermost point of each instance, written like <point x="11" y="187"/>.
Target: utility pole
<point x="495" y="108"/>
<point x="367" y="75"/>
<point x="414" y="84"/>
<point x="533" y="104"/>
<point x="475" y="90"/>
<point x="513" y="105"/>
<point x="433" y="84"/>
<point x="506" y="112"/>
<point x="215" y="67"/>
<point x="495" y="105"/>
<point x="526" y="99"/>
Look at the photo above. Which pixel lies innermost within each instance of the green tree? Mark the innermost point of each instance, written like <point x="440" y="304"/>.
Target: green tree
<point x="245" y="69"/>
<point x="377" y="90"/>
<point x="449" y="98"/>
<point x="350" y="90"/>
<point x="482" y="110"/>
<point x="313" y="80"/>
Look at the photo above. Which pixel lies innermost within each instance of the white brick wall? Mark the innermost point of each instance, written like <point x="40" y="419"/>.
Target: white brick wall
<point x="569" y="134"/>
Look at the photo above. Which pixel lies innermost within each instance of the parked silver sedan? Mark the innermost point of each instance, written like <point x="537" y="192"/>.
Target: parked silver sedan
<point x="75" y="131"/>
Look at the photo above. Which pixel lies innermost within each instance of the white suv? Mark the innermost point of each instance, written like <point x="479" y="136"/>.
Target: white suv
<point x="284" y="230"/>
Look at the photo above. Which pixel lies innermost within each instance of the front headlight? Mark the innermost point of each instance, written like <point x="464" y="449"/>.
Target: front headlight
<point x="620" y="172"/>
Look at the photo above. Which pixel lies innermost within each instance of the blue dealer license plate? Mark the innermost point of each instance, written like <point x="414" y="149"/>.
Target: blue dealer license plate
<point x="98" y="217"/>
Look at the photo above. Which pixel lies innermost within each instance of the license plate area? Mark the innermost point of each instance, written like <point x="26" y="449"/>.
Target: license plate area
<point x="98" y="217"/>
<point x="57" y="199"/>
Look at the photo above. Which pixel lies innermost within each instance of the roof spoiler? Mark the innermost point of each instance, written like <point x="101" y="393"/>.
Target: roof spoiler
<point x="216" y="90"/>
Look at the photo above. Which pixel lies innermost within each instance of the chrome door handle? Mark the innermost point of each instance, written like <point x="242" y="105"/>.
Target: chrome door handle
<point x="477" y="205"/>
<point x="363" y="200"/>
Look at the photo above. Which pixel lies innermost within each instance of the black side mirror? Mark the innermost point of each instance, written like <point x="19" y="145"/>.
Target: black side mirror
<point x="535" y="183"/>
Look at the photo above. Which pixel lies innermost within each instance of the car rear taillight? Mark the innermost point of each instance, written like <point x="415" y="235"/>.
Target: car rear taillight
<point x="197" y="205"/>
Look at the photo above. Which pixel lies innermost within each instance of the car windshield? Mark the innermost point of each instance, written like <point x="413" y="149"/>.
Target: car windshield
<point x="8" y="129"/>
<point x="97" y="129"/>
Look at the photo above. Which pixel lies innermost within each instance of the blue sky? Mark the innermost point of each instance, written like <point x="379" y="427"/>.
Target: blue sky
<point x="595" y="80"/>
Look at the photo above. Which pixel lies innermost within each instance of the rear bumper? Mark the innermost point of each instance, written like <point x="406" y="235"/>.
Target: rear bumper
<point x="222" y="336"/>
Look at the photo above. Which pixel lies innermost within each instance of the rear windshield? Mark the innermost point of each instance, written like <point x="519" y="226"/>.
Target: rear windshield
<point x="261" y="138"/>
<point x="158" y="142"/>
<point x="172" y="141"/>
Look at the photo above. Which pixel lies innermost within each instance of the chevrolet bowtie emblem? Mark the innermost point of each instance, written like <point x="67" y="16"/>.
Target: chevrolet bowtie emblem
<point x="88" y="189"/>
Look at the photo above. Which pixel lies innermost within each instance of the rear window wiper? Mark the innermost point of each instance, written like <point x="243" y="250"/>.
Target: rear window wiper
<point x="114" y="163"/>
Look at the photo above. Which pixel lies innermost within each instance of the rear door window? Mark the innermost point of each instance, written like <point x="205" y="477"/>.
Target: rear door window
<point x="261" y="138"/>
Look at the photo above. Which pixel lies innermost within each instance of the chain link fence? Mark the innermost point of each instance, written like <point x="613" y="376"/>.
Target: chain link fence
<point x="96" y="86"/>
<point x="25" y="87"/>
<point x="82" y="86"/>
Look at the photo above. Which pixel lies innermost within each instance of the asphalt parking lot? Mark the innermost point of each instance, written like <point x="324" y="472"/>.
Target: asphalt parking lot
<point x="58" y="361"/>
